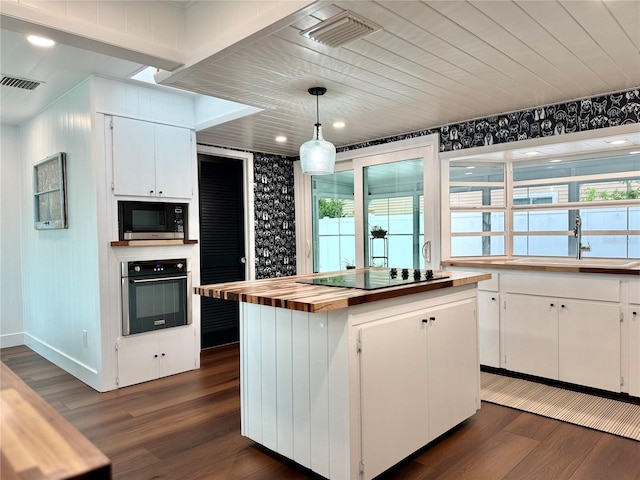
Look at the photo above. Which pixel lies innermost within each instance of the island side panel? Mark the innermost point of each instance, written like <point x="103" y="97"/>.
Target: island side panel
<point x="284" y="361"/>
<point x="297" y="384"/>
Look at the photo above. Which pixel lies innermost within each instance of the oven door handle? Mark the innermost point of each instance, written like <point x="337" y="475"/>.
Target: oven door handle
<point x="147" y="280"/>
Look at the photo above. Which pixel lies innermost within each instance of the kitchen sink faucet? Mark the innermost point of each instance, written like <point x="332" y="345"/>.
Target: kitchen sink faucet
<point x="577" y="232"/>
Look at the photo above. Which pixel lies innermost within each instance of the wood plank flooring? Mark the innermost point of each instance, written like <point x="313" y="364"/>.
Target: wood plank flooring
<point x="188" y="427"/>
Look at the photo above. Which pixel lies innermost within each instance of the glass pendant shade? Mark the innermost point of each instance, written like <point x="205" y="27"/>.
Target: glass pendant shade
<point x="317" y="156"/>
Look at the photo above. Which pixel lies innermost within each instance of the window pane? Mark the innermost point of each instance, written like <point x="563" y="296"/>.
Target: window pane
<point x="477" y="246"/>
<point x="542" y="245"/>
<point x="612" y="246"/>
<point x="477" y="192"/>
<point x="333" y="221"/>
<point x="474" y="196"/>
<point x="462" y="222"/>
<point x="541" y="221"/>
<point x="610" y="218"/>
<point x="540" y="169"/>
<point x="394" y="201"/>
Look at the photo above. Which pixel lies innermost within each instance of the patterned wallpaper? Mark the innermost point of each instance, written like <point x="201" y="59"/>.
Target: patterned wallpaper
<point x="275" y="218"/>
<point x="576" y="116"/>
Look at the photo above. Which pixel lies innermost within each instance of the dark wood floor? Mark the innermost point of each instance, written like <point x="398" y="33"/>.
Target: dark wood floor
<point x="188" y="427"/>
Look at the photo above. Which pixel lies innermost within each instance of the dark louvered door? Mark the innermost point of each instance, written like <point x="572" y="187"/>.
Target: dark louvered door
<point x="221" y="244"/>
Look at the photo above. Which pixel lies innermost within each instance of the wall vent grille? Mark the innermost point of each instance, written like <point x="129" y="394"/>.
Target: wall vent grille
<point x="341" y="29"/>
<point x="17" y="82"/>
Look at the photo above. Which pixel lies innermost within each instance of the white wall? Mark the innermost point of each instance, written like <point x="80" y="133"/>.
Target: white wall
<point x="10" y="251"/>
<point x="60" y="267"/>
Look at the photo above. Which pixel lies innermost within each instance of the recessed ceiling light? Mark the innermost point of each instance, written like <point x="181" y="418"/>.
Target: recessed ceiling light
<point x="555" y="160"/>
<point x="469" y="173"/>
<point x="531" y="153"/>
<point x="40" y="41"/>
<point x="281" y="139"/>
<point x="635" y="152"/>
<point x="338" y="124"/>
<point x="618" y="142"/>
<point x="470" y="166"/>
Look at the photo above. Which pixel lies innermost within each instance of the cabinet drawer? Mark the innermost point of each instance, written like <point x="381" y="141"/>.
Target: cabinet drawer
<point x="566" y="286"/>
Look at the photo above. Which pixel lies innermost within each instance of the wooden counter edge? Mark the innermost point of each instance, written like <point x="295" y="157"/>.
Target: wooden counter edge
<point x="245" y="291"/>
<point x="504" y="265"/>
<point x="98" y="465"/>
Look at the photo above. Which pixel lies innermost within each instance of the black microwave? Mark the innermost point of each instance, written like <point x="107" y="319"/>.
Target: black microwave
<point x="152" y="220"/>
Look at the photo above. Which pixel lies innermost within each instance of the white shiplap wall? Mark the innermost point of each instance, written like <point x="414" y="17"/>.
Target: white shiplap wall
<point x="10" y="253"/>
<point x="60" y="267"/>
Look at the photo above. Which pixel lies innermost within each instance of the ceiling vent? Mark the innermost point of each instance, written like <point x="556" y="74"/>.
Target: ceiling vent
<point x="341" y="29"/>
<point x="18" y="82"/>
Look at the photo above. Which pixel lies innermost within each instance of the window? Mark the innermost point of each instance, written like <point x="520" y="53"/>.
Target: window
<point x="49" y="193"/>
<point x="545" y="198"/>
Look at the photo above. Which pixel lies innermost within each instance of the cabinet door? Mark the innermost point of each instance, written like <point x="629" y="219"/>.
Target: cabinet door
<point x="531" y="335"/>
<point x="176" y="350"/>
<point x="174" y="159"/>
<point x="453" y="368"/>
<point x="489" y="328"/>
<point x="633" y="317"/>
<point x="133" y="157"/>
<point x="589" y="344"/>
<point x="393" y="391"/>
<point x="137" y="359"/>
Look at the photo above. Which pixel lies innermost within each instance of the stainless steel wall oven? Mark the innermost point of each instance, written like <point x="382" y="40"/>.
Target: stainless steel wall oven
<point x="156" y="294"/>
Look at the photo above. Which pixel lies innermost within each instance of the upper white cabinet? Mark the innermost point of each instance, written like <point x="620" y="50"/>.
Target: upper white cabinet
<point x="151" y="159"/>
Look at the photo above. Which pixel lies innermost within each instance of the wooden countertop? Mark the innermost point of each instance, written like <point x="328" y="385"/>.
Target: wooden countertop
<point x="285" y="292"/>
<point x="586" y="265"/>
<point x="36" y="442"/>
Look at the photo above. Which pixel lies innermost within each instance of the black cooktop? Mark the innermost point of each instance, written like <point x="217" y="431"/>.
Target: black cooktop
<point x="377" y="278"/>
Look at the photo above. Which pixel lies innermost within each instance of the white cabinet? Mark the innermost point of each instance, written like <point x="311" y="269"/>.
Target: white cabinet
<point x="632" y="317"/>
<point x="454" y="374"/>
<point x="418" y="377"/>
<point x="589" y="344"/>
<point x="151" y="159"/>
<point x="394" y="391"/>
<point x="563" y="339"/>
<point x="531" y="335"/>
<point x="489" y="325"/>
<point x="153" y="355"/>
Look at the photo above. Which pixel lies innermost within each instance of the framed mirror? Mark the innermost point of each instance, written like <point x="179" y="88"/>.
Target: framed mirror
<point x="49" y="193"/>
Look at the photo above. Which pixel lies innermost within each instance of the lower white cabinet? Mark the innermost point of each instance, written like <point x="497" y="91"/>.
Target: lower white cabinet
<point x="574" y="341"/>
<point x="489" y="332"/>
<point x="149" y="356"/>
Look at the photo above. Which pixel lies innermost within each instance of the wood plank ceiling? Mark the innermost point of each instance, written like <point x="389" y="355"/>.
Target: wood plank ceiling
<point x="433" y="63"/>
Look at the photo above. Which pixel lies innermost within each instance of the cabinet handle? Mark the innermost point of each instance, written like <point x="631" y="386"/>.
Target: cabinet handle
<point x="425" y="320"/>
<point x="433" y="319"/>
<point x="562" y="306"/>
<point x="150" y="192"/>
<point x="163" y="354"/>
<point x="155" y="356"/>
<point x="552" y="305"/>
<point x="634" y="313"/>
<point x="160" y="192"/>
<point x="493" y="299"/>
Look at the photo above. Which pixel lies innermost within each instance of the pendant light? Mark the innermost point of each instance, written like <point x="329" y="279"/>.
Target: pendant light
<point x="317" y="156"/>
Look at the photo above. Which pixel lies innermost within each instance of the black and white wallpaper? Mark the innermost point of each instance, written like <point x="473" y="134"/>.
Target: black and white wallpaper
<point x="576" y="116"/>
<point x="274" y="216"/>
<point x="274" y="200"/>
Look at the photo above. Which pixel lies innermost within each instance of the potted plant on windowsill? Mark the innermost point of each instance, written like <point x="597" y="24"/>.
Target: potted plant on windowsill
<point x="378" y="232"/>
<point x="349" y="264"/>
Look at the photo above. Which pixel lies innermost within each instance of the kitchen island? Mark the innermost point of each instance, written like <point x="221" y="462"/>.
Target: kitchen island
<point x="348" y="382"/>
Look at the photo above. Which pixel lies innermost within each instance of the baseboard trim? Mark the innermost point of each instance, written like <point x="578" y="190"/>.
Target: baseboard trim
<point x="11" y="340"/>
<point x="79" y="370"/>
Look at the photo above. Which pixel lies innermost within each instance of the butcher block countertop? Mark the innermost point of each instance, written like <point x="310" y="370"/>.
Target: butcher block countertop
<point x="609" y="266"/>
<point x="286" y="292"/>
<point x="36" y="442"/>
